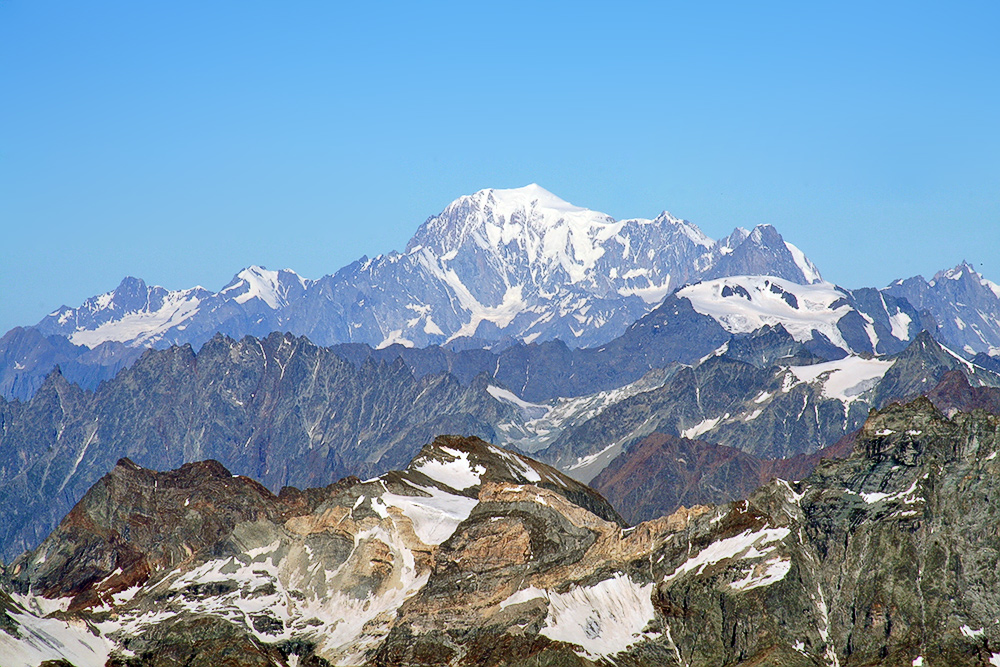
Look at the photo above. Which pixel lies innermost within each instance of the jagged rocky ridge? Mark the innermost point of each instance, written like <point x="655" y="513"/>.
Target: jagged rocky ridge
<point x="886" y="557"/>
<point x="508" y="265"/>
<point x="962" y="302"/>
<point x="279" y="409"/>
<point x="752" y="397"/>
<point x="287" y="412"/>
<point x="663" y="472"/>
<point x="175" y="566"/>
<point x="827" y="320"/>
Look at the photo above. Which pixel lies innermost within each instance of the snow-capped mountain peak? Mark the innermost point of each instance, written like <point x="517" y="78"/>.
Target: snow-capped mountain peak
<point x="742" y="304"/>
<point x="956" y="273"/>
<point x="856" y="322"/>
<point x="683" y="226"/>
<point x="531" y="219"/>
<point x="531" y="195"/>
<point x="256" y="282"/>
<point x="132" y="313"/>
<point x="762" y="251"/>
<point x="499" y="263"/>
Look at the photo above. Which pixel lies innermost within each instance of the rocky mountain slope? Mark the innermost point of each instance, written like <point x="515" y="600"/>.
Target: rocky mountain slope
<point x="285" y="411"/>
<point x="663" y="472"/>
<point x="27" y="357"/>
<point x="162" y="568"/>
<point x="965" y="305"/>
<point x="279" y="409"/>
<point x="767" y="407"/>
<point x="474" y="556"/>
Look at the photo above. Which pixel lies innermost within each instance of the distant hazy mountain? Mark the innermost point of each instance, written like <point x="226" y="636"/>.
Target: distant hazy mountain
<point x="519" y="264"/>
<point x="851" y="321"/>
<point x="965" y="306"/>
<point x="508" y="266"/>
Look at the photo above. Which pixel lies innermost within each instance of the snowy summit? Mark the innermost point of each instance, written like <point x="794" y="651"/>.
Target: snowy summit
<point x="498" y="264"/>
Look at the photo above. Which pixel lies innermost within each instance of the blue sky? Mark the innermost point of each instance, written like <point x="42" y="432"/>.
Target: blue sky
<point x="181" y="141"/>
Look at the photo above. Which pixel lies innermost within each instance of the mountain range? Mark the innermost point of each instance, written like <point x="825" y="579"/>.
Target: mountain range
<point x="672" y="372"/>
<point x="497" y="264"/>
<point x="473" y="555"/>
<point x="506" y="267"/>
<point x="287" y="412"/>
<point x="747" y="348"/>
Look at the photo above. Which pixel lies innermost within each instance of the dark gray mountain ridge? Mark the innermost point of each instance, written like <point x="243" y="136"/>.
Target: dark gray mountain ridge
<point x="280" y="409"/>
<point x="27" y="356"/>
<point x="288" y="412"/>
<point x="963" y="303"/>
<point x="662" y="473"/>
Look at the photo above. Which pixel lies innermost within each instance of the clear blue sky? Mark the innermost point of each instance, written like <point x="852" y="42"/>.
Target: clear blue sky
<point x="181" y="141"/>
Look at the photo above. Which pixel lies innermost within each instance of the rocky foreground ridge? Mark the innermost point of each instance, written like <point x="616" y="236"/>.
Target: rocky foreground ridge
<point x="477" y="556"/>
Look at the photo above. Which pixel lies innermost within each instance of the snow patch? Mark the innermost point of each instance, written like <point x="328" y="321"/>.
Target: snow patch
<point x="813" y="309"/>
<point x="809" y="270"/>
<point x="701" y="427"/>
<point x="603" y="619"/>
<point x="844" y="379"/>
<point x="900" y="325"/>
<point x="530" y="410"/>
<point x="524" y="595"/>
<point x="395" y="337"/>
<point x="434" y="518"/>
<point x="747" y="545"/>
<point x="905" y="496"/>
<point x="459" y="473"/>
<point x="51" y="639"/>
<point x="765" y="574"/>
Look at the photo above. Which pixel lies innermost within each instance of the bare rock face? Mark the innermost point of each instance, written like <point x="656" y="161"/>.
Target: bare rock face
<point x="279" y="410"/>
<point x="887" y="557"/>
<point x="663" y="473"/>
<point x="189" y="566"/>
<point x="473" y="555"/>
<point x="134" y="522"/>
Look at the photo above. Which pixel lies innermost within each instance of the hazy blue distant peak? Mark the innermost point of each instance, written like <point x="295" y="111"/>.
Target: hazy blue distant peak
<point x="516" y="263"/>
<point x="965" y="306"/>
